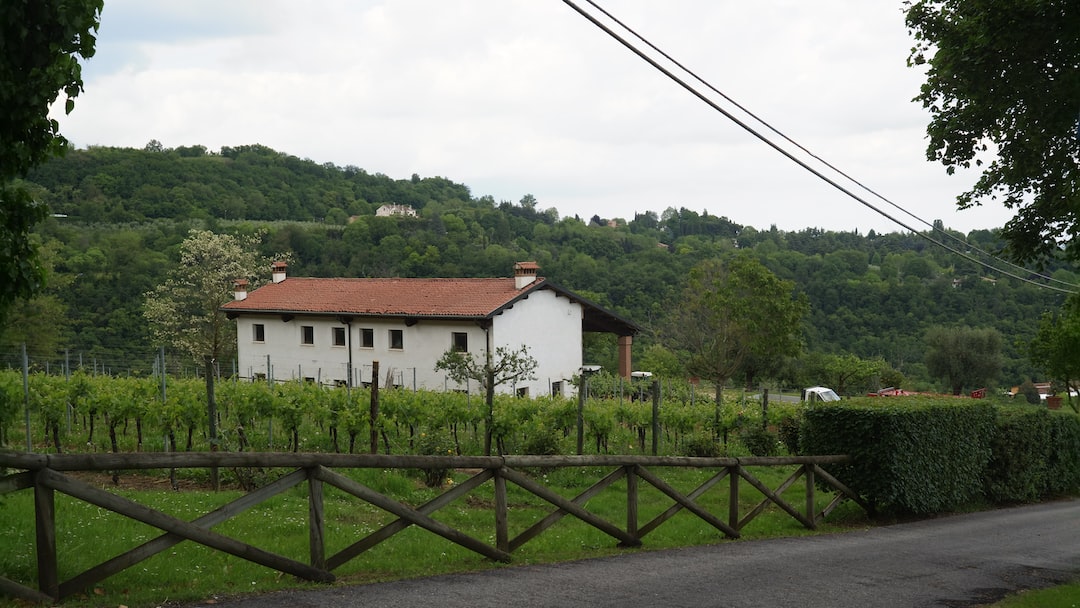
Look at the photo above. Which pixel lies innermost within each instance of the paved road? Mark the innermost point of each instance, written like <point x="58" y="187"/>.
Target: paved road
<point x="954" y="561"/>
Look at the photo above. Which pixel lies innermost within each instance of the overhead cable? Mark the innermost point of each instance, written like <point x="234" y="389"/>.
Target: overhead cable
<point x="764" y="139"/>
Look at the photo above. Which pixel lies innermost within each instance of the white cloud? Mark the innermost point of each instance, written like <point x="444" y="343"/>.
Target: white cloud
<point x="513" y="97"/>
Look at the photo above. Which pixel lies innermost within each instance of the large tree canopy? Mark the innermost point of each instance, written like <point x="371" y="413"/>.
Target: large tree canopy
<point x="1003" y="90"/>
<point x="963" y="356"/>
<point x="731" y="311"/>
<point x="39" y="41"/>
<point x="1056" y="348"/>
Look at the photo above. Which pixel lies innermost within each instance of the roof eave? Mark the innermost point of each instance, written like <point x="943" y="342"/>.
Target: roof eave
<point x="232" y="313"/>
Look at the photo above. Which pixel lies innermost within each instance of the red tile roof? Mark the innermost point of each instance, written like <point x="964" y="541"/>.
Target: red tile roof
<point x="469" y="298"/>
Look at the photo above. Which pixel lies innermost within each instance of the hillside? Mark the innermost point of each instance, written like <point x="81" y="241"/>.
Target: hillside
<point x="124" y="211"/>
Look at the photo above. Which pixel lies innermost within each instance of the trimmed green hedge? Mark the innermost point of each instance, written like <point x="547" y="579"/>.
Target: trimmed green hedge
<point x="1063" y="464"/>
<point x="921" y="455"/>
<point x="1017" y="471"/>
<point x="914" y="455"/>
<point x="1036" y="455"/>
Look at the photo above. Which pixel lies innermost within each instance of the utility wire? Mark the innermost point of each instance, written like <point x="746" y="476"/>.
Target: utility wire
<point x="764" y="139"/>
<point x="824" y="162"/>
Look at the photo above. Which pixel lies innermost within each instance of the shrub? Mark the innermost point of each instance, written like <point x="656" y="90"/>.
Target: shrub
<point x="909" y="455"/>
<point x="1021" y="447"/>
<point x="1063" y="464"/>
<point x="1030" y="393"/>
<point x="788" y="430"/>
<point x="435" y="442"/>
<point x="541" y="440"/>
<point x="759" y="441"/>
<point x="700" y="445"/>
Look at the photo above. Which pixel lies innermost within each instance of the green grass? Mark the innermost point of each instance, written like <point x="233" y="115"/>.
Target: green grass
<point x="1065" y="596"/>
<point x="87" y="535"/>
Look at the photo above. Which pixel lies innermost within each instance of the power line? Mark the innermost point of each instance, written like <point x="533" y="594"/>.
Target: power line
<point x="824" y="162"/>
<point x="764" y="139"/>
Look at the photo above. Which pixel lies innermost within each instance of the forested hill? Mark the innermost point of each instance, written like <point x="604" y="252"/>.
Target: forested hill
<point x="245" y="182"/>
<point x="124" y="212"/>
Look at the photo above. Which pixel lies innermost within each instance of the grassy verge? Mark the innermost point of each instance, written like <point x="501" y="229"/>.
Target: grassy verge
<point x="87" y="535"/>
<point x="1065" y="596"/>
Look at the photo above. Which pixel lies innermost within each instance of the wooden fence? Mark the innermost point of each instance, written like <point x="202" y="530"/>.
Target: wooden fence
<point x="44" y="475"/>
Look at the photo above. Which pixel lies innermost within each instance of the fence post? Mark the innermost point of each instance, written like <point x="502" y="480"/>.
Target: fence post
<point x="502" y="533"/>
<point x="316" y="521"/>
<point x="733" y="497"/>
<point x="374" y="410"/>
<point x="581" y="414"/>
<point x="631" y="500"/>
<point x="162" y="370"/>
<point x="26" y="397"/>
<point x="808" y="470"/>
<point x="45" y="533"/>
<point x="211" y="411"/>
<point x="655" y="416"/>
<point x="67" y="378"/>
<point x="765" y="408"/>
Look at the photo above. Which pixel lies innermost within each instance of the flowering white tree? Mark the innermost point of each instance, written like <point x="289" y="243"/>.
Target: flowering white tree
<point x="185" y="310"/>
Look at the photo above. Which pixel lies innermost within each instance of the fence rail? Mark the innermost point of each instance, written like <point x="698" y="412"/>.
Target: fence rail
<point x="44" y="475"/>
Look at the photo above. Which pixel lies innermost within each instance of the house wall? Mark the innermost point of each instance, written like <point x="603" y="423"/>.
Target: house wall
<point x="550" y="326"/>
<point x="289" y="359"/>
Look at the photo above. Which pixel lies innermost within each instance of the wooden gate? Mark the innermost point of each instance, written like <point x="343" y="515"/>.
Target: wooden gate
<point x="44" y="475"/>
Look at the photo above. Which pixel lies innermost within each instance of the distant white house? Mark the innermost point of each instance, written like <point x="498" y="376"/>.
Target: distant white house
<point x="393" y="209"/>
<point x="331" y="330"/>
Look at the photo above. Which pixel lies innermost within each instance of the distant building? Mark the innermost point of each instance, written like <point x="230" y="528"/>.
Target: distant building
<point x="393" y="209"/>
<point x="321" y="329"/>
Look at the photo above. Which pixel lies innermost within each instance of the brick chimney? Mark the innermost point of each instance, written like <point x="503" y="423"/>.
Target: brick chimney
<point x="240" y="289"/>
<point x="277" y="271"/>
<point x="525" y="274"/>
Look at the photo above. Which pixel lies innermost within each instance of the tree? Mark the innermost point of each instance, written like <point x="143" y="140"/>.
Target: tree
<point x="40" y="321"/>
<point x="660" y="361"/>
<point x="846" y="373"/>
<point x="39" y="41"/>
<point x="1002" y="83"/>
<point x="963" y="356"/>
<point x="731" y="311"/>
<point x="185" y="310"/>
<point x="1056" y="347"/>
<point x="489" y="370"/>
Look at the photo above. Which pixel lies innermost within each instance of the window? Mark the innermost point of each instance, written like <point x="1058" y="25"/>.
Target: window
<point x="397" y="339"/>
<point x="523" y="392"/>
<point x="459" y="342"/>
<point x="367" y="337"/>
<point x="556" y="388"/>
<point x="339" y="336"/>
<point x="258" y="333"/>
<point x="307" y="335"/>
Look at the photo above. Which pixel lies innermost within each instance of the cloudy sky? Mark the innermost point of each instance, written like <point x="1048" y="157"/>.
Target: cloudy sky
<point x="515" y="97"/>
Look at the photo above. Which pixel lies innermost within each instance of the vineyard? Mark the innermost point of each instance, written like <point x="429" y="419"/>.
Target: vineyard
<point x="87" y="413"/>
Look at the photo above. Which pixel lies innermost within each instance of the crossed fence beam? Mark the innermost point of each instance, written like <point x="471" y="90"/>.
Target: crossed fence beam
<point x="44" y="474"/>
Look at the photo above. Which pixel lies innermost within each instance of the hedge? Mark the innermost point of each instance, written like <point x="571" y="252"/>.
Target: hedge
<point x="1018" y="468"/>
<point x="1063" y="464"/>
<point x="914" y="455"/>
<point x="919" y="455"/>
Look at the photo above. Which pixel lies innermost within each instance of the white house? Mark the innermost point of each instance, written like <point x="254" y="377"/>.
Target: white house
<point x="323" y="329"/>
<point x="395" y="209"/>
